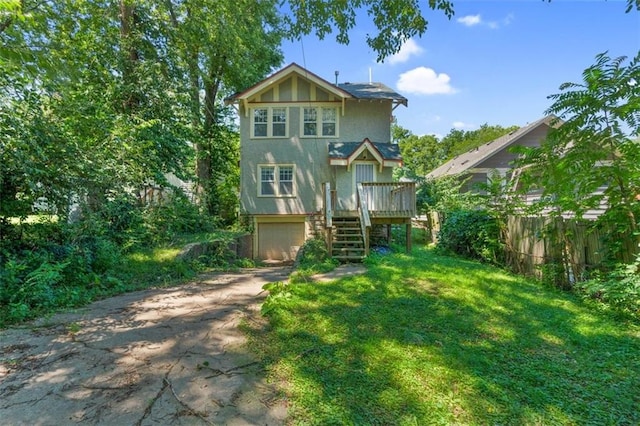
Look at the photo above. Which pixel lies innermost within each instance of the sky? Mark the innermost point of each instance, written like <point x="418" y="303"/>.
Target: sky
<point x="494" y="62"/>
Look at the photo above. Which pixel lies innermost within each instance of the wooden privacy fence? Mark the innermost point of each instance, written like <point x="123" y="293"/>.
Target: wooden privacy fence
<point x="563" y="250"/>
<point x="556" y="249"/>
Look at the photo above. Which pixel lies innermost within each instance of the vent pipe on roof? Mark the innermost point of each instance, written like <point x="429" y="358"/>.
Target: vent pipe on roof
<point x="337" y="74"/>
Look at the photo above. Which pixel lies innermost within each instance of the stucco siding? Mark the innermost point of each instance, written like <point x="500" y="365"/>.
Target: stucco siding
<point x="366" y="120"/>
<point x="308" y="155"/>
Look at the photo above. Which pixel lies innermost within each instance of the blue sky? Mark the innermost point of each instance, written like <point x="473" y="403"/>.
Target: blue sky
<point x="494" y="62"/>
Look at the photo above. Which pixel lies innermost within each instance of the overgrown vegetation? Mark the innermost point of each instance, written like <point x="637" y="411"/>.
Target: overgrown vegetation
<point x="313" y="258"/>
<point x="428" y="339"/>
<point x="49" y="265"/>
<point x="619" y="288"/>
<point x="590" y="160"/>
<point x="474" y="234"/>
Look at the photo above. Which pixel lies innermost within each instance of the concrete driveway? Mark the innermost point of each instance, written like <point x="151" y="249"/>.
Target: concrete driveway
<point x="164" y="356"/>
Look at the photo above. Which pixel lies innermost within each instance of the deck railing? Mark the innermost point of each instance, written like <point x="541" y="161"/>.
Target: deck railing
<point x="393" y="199"/>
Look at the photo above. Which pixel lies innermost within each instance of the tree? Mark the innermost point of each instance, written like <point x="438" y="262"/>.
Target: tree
<point x="592" y="157"/>
<point x="222" y="47"/>
<point x="420" y="154"/>
<point x="131" y="87"/>
<point x="396" y="21"/>
<point x="458" y="141"/>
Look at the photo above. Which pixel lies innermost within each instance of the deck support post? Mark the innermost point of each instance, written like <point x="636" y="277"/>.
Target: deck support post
<point x="408" y="229"/>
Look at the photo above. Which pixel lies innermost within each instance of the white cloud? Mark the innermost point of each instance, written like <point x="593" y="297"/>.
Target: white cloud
<point x="409" y="48"/>
<point x="425" y="81"/>
<point x="473" y="20"/>
<point x="470" y="20"/>
<point x="462" y="125"/>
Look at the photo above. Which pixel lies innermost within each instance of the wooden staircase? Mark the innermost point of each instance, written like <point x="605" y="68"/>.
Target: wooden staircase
<point x="348" y="241"/>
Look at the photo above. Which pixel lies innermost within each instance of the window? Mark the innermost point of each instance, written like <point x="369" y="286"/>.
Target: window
<point x="310" y="122"/>
<point x="260" y="122"/>
<point x="269" y="122"/>
<point x="319" y="121"/>
<point x="279" y="121"/>
<point x="276" y="181"/>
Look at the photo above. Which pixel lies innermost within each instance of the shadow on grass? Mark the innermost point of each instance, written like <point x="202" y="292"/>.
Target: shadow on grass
<point x="423" y="339"/>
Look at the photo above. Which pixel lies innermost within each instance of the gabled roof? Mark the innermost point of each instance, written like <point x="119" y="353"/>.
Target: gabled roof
<point x="284" y="73"/>
<point x="364" y="91"/>
<point x="345" y="153"/>
<point x="470" y="159"/>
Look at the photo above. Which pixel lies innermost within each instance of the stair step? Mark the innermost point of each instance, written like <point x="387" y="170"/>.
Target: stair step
<point x="349" y="258"/>
<point x="348" y="250"/>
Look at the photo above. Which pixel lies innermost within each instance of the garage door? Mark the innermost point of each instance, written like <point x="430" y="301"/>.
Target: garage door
<point x="279" y="241"/>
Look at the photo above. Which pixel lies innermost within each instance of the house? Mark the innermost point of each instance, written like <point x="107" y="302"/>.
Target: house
<point x="480" y="163"/>
<point x="316" y="158"/>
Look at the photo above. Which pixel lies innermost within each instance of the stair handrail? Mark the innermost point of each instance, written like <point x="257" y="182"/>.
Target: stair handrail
<point x="365" y="220"/>
<point x="328" y="210"/>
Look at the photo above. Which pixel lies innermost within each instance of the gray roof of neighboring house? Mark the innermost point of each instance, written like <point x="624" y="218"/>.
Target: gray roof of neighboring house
<point x="372" y="91"/>
<point x="388" y="151"/>
<point x="469" y="159"/>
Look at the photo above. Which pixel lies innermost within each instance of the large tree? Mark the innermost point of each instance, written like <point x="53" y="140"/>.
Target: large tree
<point x="221" y="47"/>
<point x="130" y="86"/>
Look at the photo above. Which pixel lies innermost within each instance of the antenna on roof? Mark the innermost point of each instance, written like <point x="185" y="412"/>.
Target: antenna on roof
<point x="370" y="80"/>
<point x="337" y="74"/>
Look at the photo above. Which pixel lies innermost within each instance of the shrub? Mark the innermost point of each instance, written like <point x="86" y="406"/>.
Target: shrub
<point x="471" y="233"/>
<point x="619" y="288"/>
<point x="174" y="217"/>
<point x="313" y="258"/>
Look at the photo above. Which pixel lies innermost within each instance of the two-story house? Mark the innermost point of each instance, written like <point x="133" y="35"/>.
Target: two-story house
<point x="317" y="157"/>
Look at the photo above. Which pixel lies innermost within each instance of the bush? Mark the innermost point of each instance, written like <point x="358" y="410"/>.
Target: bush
<point x="313" y="258"/>
<point x="176" y="216"/>
<point x="619" y="289"/>
<point x="473" y="234"/>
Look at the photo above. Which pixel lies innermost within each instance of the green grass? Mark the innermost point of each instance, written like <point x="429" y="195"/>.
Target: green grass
<point x="425" y="339"/>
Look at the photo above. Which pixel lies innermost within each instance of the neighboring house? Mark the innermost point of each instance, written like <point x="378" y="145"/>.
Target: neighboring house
<point x="305" y="146"/>
<point x="480" y="163"/>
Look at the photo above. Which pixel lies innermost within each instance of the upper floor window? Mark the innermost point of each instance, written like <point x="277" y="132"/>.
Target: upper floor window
<point x="276" y="181"/>
<point x="269" y="122"/>
<point x="317" y="121"/>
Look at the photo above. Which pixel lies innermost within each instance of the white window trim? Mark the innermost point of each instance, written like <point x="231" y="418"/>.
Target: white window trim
<point x="277" y="181"/>
<point x="319" y="121"/>
<point x="270" y="122"/>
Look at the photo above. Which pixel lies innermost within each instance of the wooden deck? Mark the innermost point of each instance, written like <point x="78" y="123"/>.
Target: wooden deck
<point x="378" y="203"/>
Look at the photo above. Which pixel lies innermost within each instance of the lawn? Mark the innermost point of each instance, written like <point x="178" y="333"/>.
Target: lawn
<point x="426" y="339"/>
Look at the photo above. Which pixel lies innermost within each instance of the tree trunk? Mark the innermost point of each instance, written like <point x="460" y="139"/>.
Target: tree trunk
<point x="130" y="61"/>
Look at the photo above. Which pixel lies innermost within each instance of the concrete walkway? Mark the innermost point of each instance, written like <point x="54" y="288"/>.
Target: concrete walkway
<point x="163" y="356"/>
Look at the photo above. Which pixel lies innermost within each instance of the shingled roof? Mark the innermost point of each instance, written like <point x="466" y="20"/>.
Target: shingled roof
<point x="372" y="91"/>
<point x="471" y="158"/>
<point x="344" y="153"/>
